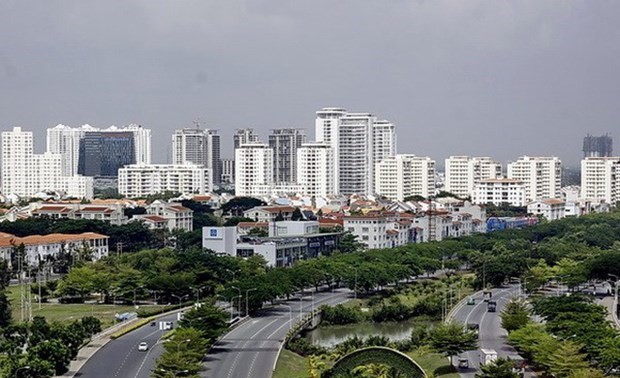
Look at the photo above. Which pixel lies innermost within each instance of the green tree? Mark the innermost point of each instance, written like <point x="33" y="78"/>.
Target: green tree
<point x="53" y="351"/>
<point x="259" y="232"/>
<point x="78" y="282"/>
<point x="566" y="359"/>
<point x="372" y="371"/>
<point x="610" y="354"/>
<point x="573" y="273"/>
<point x="349" y="243"/>
<point x="297" y="215"/>
<point x="233" y="221"/>
<point x="209" y="320"/>
<point x="516" y="315"/>
<point x="587" y="373"/>
<point x="500" y="368"/>
<point x="5" y="275"/>
<point x="5" y="310"/>
<point x="238" y="205"/>
<point x="452" y="339"/>
<point x="537" y="276"/>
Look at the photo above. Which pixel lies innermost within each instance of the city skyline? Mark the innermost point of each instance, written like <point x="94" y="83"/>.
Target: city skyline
<point x="477" y="78"/>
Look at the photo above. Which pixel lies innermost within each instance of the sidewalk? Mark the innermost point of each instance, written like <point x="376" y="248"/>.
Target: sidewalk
<point x="101" y="339"/>
<point x="97" y="342"/>
<point x="608" y="303"/>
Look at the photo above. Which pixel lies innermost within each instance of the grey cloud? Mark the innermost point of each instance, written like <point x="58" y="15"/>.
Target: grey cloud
<point x="475" y="77"/>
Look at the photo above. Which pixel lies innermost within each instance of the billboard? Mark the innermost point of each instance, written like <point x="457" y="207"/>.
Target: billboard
<point x="212" y="233"/>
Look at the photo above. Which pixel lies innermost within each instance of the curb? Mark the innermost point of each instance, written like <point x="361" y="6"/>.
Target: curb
<point x="460" y="305"/>
<point x="106" y="337"/>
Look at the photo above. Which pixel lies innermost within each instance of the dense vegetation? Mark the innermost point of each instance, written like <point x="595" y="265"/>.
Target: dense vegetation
<point x="573" y="250"/>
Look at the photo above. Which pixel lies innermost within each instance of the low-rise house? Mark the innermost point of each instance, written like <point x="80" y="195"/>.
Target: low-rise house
<point x="176" y="216"/>
<point x="551" y="208"/>
<point x="269" y="213"/>
<point x="40" y="248"/>
<point x="288" y="242"/>
<point x="112" y="213"/>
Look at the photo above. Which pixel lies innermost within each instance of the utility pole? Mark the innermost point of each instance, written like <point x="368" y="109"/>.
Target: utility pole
<point x="119" y="248"/>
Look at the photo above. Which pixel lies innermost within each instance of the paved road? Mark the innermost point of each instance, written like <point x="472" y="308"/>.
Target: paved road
<point x="491" y="335"/>
<point x="251" y="349"/>
<point x="120" y="358"/>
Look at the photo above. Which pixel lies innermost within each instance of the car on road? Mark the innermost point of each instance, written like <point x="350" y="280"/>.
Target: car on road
<point x="491" y="306"/>
<point x="463" y="363"/>
<point x="487" y="295"/>
<point x="471" y="301"/>
<point x="474" y="327"/>
<point x="143" y="347"/>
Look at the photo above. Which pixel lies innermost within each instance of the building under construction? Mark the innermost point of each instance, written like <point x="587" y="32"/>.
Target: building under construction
<point x="601" y="146"/>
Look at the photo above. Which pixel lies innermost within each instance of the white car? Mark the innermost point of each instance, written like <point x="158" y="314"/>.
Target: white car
<point x="143" y="347"/>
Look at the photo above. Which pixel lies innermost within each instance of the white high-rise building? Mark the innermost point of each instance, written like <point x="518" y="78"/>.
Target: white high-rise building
<point x="25" y="173"/>
<point x="285" y="143"/>
<point x="253" y="169"/>
<point x="228" y="171"/>
<point x="401" y="176"/>
<point x="141" y="180"/>
<point x="65" y="140"/>
<point x="499" y="191"/>
<point x="315" y="165"/>
<point x="464" y="172"/>
<point x="196" y="146"/>
<point x="541" y="176"/>
<point x="243" y="136"/>
<point x="142" y="143"/>
<point x="600" y="179"/>
<point x="384" y="140"/>
<point x="17" y="151"/>
<point x="359" y="141"/>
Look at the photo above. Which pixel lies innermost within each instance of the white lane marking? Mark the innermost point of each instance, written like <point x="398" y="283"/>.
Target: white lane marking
<point x="234" y="364"/>
<point x="147" y="353"/>
<point x="261" y="345"/>
<point x="129" y="353"/>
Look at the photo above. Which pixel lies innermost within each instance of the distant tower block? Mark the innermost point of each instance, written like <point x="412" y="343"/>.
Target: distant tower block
<point x="601" y="146"/>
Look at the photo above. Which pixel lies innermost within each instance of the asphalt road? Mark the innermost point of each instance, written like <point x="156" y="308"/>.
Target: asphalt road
<point x="251" y="349"/>
<point x="120" y="358"/>
<point x="491" y="334"/>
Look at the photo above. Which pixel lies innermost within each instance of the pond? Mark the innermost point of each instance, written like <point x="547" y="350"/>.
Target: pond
<point x="328" y="336"/>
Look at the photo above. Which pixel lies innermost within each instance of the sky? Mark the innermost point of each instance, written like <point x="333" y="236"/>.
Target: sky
<point x="485" y="78"/>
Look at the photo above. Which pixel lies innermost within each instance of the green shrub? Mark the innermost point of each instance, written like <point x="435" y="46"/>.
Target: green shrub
<point x="339" y="315"/>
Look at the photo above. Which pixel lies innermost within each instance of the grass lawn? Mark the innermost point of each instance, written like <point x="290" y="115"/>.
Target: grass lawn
<point x="68" y="312"/>
<point x="291" y="365"/>
<point x="434" y="363"/>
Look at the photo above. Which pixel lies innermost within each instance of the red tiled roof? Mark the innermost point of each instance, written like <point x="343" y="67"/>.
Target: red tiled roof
<point x="252" y="224"/>
<point x="49" y="239"/>
<point x="155" y="218"/>
<point x="277" y="209"/>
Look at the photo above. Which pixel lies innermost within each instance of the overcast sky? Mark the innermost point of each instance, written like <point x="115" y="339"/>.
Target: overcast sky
<point x="497" y="78"/>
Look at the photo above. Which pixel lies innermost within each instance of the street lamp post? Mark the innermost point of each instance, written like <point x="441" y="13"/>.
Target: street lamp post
<point x="178" y="343"/>
<point x="290" y="315"/>
<point x="197" y="290"/>
<point x="191" y="320"/>
<point x="615" y="292"/>
<point x="355" y="287"/>
<point x="229" y="303"/>
<point x="232" y="272"/>
<point x="247" y="302"/>
<point x="173" y="372"/>
<point x="21" y="368"/>
<point x="240" y="296"/>
<point x="179" y="297"/>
